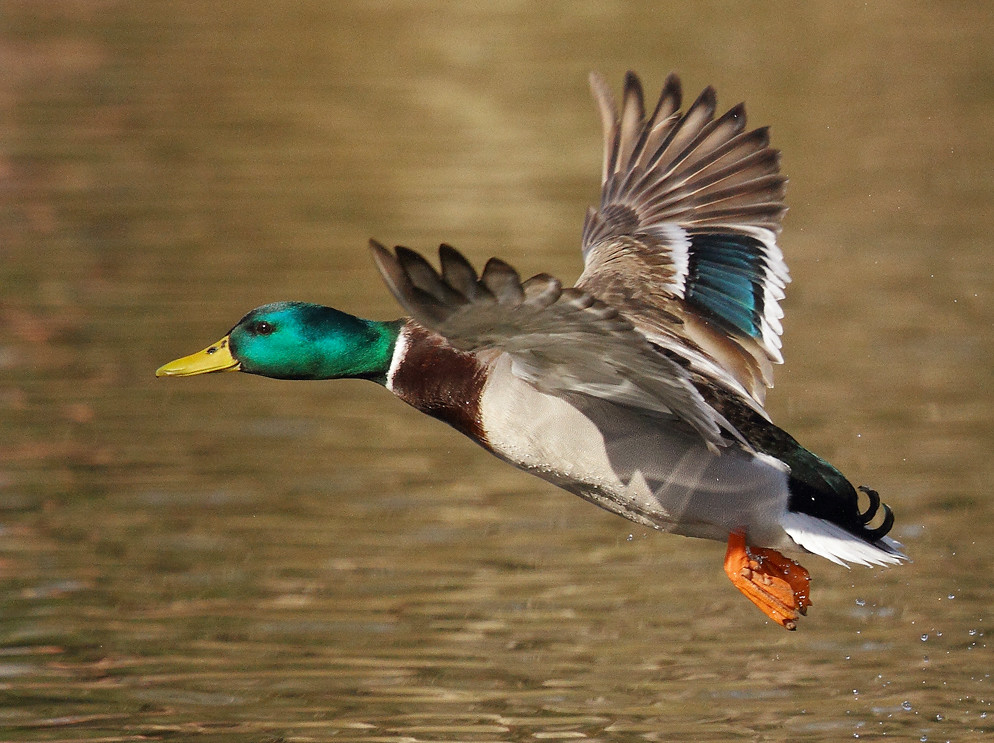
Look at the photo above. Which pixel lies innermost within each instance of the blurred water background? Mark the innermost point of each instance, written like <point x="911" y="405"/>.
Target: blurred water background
<point x="236" y="559"/>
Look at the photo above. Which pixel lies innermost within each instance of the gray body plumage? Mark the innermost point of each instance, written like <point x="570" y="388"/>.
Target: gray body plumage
<point x="634" y="463"/>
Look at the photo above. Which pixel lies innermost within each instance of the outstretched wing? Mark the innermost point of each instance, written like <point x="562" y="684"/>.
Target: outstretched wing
<point x="684" y="240"/>
<point x="560" y="340"/>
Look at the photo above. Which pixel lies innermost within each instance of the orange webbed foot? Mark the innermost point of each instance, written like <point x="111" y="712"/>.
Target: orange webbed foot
<point x="776" y="584"/>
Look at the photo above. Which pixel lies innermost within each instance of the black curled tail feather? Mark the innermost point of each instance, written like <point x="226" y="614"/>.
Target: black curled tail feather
<point x="819" y="490"/>
<point x="870" y="513"/>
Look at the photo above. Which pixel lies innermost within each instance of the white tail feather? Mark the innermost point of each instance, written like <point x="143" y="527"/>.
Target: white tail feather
<point x="836" y="544"/>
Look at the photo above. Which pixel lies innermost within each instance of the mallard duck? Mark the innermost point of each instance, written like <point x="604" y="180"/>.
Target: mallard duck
<point x="641" y="388"/>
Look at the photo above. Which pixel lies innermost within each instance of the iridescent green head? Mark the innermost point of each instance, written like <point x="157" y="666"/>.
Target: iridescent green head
<point x="297" y="340"/>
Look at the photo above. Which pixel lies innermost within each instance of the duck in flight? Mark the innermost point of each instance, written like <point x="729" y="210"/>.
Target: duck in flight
<point x="641" y="388"/>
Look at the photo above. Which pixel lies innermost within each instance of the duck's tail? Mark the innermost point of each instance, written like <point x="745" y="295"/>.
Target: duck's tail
<point x="823" y="512"/>
<point x="840" y="545"/>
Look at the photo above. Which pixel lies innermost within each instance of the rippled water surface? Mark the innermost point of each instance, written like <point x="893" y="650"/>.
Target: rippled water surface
<point x="234" y="558"/>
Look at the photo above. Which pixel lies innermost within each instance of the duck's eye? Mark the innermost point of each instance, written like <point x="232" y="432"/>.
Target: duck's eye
<point x="261" y="327"/>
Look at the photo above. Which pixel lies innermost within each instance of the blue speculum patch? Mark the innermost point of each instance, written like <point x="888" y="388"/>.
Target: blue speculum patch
<point x="725" y="278"/>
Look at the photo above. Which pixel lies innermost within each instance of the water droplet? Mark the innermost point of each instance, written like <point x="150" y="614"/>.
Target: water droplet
<point x="925" y="637"/>
<point x="973" y="633"/>
<point x="906" y="705"/>
<point x="860" y="602"/>
<point x="951" y="596"/>
<point x="630" y="537"/>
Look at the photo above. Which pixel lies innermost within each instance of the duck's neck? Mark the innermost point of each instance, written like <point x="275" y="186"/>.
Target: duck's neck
<point x="371" y="357"/>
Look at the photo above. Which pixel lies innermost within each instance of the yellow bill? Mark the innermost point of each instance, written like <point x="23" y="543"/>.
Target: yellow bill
<point x="215" y="358"/>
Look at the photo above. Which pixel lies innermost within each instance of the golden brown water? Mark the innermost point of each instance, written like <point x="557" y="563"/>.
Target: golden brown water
<point x="232" y="558"/>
